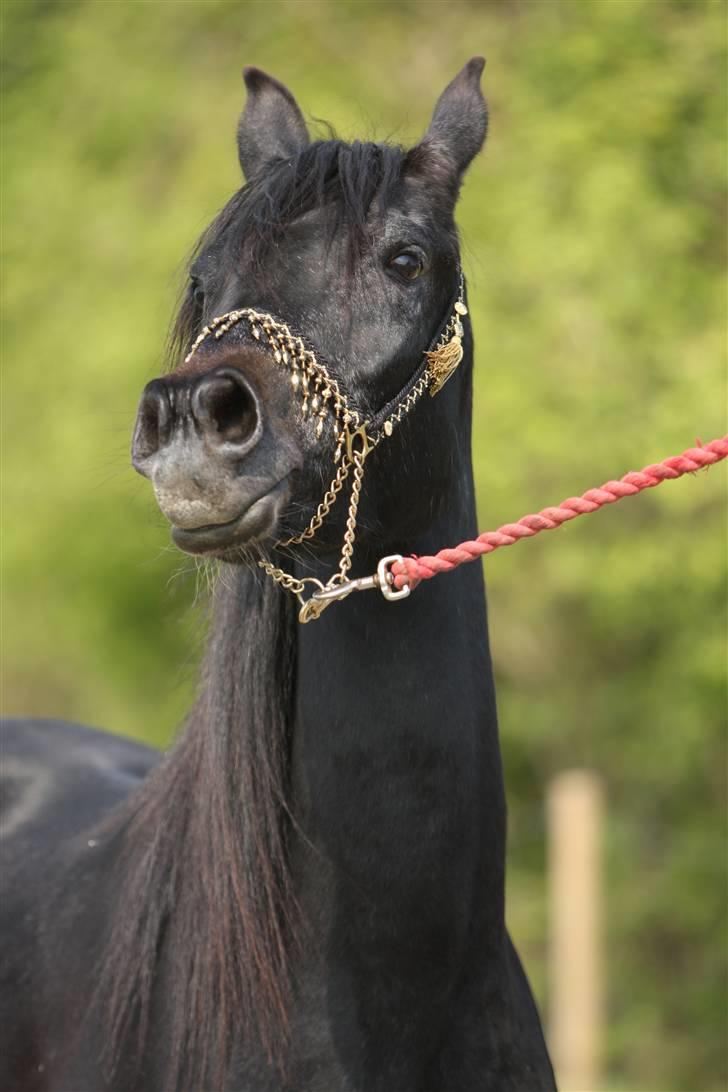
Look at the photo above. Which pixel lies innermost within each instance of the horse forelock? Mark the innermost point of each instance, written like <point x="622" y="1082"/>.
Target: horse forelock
<point x="343" y="179"/>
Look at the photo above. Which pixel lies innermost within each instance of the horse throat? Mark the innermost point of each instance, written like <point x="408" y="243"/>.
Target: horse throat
<point x="397" y="784"/>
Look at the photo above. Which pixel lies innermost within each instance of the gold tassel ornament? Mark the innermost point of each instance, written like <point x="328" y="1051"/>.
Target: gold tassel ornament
<point x="442" y="361"/>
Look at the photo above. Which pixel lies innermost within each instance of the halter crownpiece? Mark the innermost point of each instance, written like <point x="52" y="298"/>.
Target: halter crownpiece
<point x="322" y="397"/>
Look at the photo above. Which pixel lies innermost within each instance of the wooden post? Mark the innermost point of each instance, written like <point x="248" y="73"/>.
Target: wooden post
<point x="575" y="808"/>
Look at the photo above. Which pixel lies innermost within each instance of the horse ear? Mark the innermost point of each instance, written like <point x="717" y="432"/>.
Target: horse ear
<point x="271" y="126"/>
<point x="457" y="130"/>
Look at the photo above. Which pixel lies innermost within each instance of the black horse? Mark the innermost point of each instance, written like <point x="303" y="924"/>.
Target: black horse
<point x="307" y="891"/>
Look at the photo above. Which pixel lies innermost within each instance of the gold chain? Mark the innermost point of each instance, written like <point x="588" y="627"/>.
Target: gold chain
<point x="354" y="457"/>
<point x="324" y="507"/>
<point x="347" y="550"/>
<point x="290" y="583"/>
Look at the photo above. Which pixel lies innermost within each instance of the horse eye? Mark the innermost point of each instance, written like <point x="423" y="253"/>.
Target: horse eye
<point x="408" y="264"/>
<point x="198" y="293"/>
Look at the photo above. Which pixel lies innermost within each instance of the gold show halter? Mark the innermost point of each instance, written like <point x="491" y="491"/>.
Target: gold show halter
<point x="321" y="397"/>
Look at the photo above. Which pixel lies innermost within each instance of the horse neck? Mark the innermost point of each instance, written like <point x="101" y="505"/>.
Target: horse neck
<point x="396" y="763"/>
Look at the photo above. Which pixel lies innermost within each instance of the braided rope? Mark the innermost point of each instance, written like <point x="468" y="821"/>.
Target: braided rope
<point x="411" y="570"/>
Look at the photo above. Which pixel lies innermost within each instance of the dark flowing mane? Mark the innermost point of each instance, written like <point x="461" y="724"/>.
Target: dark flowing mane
<point x="345" y="179"/>
<point x="203" y="872"/>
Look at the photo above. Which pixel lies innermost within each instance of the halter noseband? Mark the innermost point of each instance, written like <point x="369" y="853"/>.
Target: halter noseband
<point x="355" y="438"/>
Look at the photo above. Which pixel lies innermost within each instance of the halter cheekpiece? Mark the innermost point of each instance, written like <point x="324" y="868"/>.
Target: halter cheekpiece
<point x="323" y="397"/>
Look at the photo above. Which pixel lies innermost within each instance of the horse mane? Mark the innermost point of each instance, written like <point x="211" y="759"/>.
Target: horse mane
<point x="202" y="874"/>
<point x="205" y="911"/>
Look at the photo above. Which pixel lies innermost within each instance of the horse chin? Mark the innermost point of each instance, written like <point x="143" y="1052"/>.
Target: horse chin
<point x="255" y="525"/>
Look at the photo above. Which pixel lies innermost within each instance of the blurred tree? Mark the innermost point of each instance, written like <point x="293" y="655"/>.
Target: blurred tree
<point x="594" y="229"/>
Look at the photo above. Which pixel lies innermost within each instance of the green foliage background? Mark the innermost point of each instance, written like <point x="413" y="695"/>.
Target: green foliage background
<point x="594" y="231"/>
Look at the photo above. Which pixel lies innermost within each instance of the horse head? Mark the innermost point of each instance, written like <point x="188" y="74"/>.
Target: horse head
<point x="312" y="299"/>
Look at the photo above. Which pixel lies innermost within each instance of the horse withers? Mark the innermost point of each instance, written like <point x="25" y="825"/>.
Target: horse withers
<point x="307" y="891"/>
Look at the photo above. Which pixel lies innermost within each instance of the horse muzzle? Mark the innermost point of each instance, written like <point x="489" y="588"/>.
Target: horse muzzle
<point x="203" y="442"/>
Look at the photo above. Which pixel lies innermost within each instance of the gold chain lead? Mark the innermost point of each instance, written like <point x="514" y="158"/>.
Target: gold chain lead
<point x="324" y="507"/>
<point x="347" y="550"/>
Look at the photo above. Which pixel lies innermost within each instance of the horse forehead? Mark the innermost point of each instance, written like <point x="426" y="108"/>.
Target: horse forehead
<point x="323" y="225"/>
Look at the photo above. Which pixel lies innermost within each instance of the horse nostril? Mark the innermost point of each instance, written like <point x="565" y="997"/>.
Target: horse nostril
<point x="152" y="424"/>
<point x="226" y="408"/>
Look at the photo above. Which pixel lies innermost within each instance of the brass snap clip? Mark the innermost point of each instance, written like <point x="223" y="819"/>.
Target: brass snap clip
<point x="383" y="579"/>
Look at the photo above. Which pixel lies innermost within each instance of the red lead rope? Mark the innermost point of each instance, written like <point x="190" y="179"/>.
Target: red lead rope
<point x="411" y="570"/>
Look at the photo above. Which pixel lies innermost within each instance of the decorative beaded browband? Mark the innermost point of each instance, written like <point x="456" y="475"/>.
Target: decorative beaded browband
<point x="322" y="397"/>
